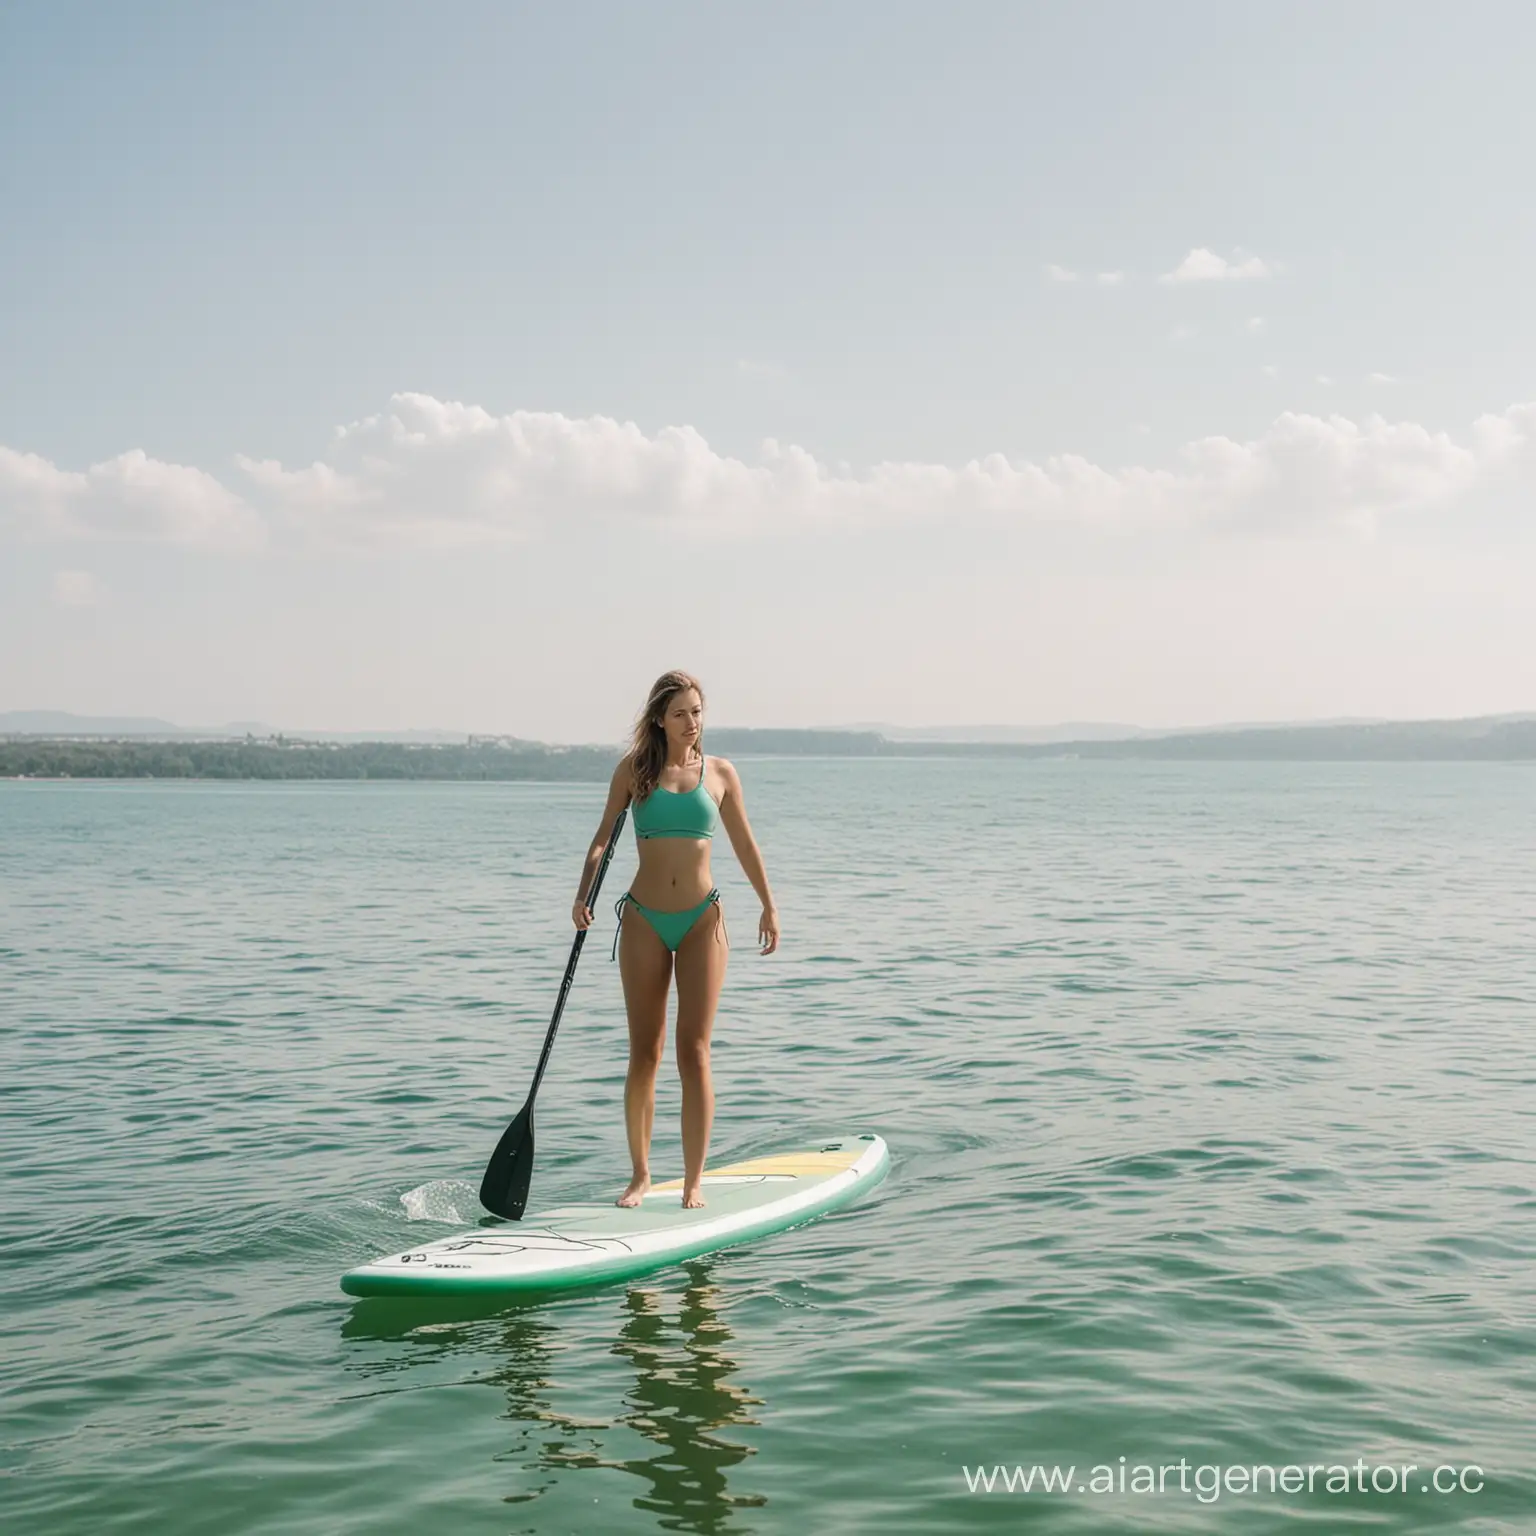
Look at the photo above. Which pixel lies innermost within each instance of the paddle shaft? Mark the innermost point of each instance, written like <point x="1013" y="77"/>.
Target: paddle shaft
<point x="570" y="965"/>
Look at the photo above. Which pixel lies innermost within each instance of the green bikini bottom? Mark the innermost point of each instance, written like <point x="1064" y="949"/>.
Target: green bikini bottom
<point x="671" y="927"/>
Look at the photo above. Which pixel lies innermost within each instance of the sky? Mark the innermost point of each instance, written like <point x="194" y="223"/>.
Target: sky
<point x="376" y="366"/>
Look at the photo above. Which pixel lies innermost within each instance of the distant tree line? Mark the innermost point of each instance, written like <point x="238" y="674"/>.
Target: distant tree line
<point x="1379" y="742"/>
<point x="482" y="759"/>
<point x="38" y="758"/>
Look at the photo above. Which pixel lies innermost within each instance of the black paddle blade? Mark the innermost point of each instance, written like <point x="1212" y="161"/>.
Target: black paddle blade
<point x="504" y="1189"/>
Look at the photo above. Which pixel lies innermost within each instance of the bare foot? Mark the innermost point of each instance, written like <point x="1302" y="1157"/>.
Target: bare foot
<point x="693" y="1199"/>
<point x="637" y="1188"/>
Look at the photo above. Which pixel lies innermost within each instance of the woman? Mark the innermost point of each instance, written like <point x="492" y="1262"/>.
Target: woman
<point x="675" y="923"/>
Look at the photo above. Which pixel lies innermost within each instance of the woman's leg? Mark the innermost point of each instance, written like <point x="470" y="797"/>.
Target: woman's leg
<point x="645" y="966"/>
<point x="701" y="961"/>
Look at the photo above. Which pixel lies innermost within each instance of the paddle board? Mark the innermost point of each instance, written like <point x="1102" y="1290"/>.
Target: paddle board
<point x="589" y="1244"/>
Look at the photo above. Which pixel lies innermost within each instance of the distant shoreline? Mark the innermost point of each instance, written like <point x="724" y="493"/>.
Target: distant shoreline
<point x="501" y="759"/>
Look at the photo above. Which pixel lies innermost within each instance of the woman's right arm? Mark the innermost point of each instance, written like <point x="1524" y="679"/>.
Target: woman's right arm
<point x="618" y="798"/>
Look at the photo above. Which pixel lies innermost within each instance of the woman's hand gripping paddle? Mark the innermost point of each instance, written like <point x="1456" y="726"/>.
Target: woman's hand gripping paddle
<point x="504" y="1189"/>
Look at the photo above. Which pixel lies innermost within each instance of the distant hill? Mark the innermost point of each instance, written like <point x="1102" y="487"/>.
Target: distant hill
<point x="59" y="723"/>
<point x="55" y="722"/>
<point x="1090" y="730"/>
<point x="727" y="740"/>
<point x="85" y="757"/>
<point x="1509" y="738"/>
<point x="837" y="741"/>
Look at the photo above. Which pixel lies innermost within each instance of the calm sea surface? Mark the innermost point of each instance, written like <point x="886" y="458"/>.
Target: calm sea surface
<point x="1209" y="1089"/>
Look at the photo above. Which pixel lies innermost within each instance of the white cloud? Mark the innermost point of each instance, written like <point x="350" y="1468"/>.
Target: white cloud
<point x="75" y="589"/>
<point x="1270" y="371"/>
<point x="432" y="473"/>
<point x="1111" y="279"/>
<point x="1205" y="266"/>
<point x="1255" y="323"/>
<point x="130" y="497"/>
<point x="1324" y="378"/>
<point x="1382" y="378"/>
<point x="1060" y="274"/>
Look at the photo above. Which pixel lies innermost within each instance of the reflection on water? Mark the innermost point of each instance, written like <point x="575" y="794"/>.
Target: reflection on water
<point x="681" y="1397"/>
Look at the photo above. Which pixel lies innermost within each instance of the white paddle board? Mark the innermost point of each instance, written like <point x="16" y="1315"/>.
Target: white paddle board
<point x="590" y="1244"/>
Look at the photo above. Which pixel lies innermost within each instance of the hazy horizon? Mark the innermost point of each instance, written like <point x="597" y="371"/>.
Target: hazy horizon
<point x="1001" y="363"/>
<point x="63" y="722"/>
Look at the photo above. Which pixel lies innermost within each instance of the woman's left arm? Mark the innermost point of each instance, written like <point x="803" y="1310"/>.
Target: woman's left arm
<point x="733" y="813"/>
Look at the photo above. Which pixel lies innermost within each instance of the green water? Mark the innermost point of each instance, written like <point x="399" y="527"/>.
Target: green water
<point x="1209" y="1091"/>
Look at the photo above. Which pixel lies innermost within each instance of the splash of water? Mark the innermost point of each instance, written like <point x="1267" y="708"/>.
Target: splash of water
<point x="447" y="1200"/>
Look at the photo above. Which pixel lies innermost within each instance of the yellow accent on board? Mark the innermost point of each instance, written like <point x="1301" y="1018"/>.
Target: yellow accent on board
<point x="793" y="1165"/>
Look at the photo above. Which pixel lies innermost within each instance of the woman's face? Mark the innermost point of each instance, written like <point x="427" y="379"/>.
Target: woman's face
<point x="684" y="718"/>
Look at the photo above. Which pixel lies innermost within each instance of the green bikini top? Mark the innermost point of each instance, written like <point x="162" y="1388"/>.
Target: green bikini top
<point x="666" y="813"/>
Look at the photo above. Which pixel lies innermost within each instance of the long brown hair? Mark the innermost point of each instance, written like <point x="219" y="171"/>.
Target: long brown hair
<point x="648" y="746"/>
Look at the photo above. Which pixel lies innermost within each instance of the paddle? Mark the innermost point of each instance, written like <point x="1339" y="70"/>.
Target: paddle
<point x="504" y="1189"/>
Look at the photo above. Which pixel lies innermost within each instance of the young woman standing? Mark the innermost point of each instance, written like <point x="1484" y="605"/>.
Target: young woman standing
<point x="677" y="929"/>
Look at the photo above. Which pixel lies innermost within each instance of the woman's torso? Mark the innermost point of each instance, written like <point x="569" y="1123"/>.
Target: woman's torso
<point x="680" y="815"/>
